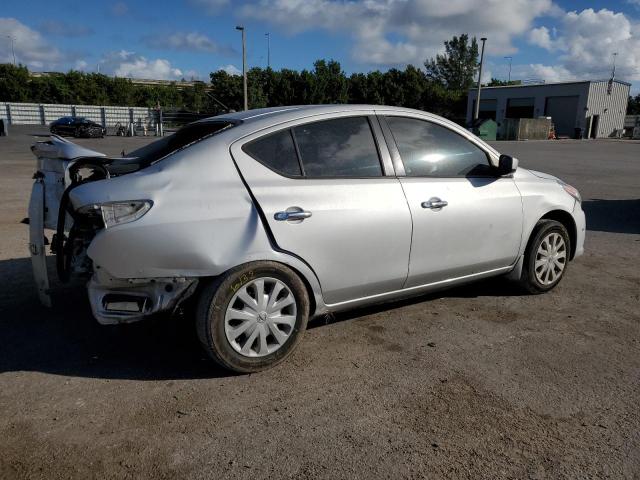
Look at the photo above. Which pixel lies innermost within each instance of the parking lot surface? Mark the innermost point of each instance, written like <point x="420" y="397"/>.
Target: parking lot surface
<point x="475" y="382"/>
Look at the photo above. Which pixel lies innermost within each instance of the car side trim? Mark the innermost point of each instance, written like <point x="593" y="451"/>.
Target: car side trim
<point x="412" y="291"/>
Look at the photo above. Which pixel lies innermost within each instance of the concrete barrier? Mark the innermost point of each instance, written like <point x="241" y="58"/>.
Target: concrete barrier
<point x="44" y="113"/>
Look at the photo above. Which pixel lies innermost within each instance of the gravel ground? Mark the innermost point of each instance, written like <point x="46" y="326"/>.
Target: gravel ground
<point x="476" y="382"/>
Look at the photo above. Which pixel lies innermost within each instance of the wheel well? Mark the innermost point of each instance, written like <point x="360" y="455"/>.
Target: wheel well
<point x="307" y="285"/>
<point x="565" y="219"/>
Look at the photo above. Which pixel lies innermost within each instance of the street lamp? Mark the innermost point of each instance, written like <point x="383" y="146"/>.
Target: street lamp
<point x="476" y="113"/>
<point x="268" y="35"/>
<point x="510" y="59"/>
<point x="244" y="66"/>
<point x="12" y="50"/>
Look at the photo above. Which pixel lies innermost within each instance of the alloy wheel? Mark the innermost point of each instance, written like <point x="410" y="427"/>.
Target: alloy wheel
<point x="551" y="259"/>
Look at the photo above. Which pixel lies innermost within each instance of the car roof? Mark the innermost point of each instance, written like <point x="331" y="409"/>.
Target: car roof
<point x="251" y="121"/>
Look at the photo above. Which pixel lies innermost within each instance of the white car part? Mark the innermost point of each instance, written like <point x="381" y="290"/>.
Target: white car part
<point x="36" y="241"/>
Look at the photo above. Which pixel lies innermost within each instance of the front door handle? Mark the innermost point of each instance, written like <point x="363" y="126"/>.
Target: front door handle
<point x="295" y="214"/>
<point x="434" y="203"/>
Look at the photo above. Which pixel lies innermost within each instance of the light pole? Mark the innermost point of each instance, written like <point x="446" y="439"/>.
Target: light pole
<point x="510" y="59"/>
<point x="12" y="50"/>
<point x="268" y="35"/>
<point x="476" y="112"/>
<point x="244" y="66"/>
<point x="613" y="70"/>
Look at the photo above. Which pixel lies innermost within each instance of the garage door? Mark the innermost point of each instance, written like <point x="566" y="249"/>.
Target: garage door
<point x="520" y="107"/>
<point x="563" y="112"/>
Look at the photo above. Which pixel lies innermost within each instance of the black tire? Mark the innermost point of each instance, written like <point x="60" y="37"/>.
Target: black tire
<point x="528" y="279"/>
<point x="212" y="307"/>
<point x="77" y="132"/>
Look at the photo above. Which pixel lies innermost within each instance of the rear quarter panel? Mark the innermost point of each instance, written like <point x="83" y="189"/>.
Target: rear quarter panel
<point x="202" y="223"/>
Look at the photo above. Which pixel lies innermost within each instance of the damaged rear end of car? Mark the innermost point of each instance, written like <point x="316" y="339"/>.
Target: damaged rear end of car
<point x="100" y="213"/>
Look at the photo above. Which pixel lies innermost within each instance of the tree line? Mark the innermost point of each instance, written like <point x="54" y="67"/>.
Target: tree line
<point x="440" y="87"/>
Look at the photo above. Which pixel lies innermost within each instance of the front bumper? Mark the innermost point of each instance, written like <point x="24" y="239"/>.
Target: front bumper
<point x="581" y="227"/>
<point x="115" y="301"/>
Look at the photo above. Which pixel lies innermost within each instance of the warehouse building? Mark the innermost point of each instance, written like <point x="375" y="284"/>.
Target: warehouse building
<point x="596" y="107"/>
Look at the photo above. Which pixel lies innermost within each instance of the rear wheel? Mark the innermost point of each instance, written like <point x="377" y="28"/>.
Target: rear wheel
<point x="546" y="258"/>
<point x="252" y="317"/>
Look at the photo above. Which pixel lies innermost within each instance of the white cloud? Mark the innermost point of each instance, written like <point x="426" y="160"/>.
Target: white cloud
<point x="30" y="47"/>
<point x="80" y="65"/>
<point x="61" y="28"/>
<point x="132" y="65"/>
<point x="586" y="42"/>
<point x="230" y="69"/>
<point x="212" y="7"/>
<point x="188" y="42"/>
<point x="396" y="32"/>
<point x="119" y="9"/>
<point x="541" y="38"/>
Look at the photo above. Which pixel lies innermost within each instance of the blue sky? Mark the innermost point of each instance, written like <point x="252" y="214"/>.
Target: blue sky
<point x="554" y="41"/>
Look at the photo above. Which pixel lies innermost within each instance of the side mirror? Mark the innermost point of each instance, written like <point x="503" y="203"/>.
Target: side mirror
<point x="507" y="164"/>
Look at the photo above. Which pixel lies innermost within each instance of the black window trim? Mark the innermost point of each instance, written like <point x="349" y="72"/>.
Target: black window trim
<point x="368" y="117"/>
<point x="397" y="158"/>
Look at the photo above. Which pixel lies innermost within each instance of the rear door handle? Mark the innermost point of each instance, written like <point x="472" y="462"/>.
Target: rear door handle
<point x="292" y="213"/>
<point x="434" y="203"/>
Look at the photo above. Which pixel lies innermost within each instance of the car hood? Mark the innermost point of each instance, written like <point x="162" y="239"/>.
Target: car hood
<point x="546" y="176"/>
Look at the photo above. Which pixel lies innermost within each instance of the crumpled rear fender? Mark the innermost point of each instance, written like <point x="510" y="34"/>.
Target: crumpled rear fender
<point x="203" y="221"/>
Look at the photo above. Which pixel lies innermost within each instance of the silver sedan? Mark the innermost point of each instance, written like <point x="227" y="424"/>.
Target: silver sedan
<point x="265" y="218"/>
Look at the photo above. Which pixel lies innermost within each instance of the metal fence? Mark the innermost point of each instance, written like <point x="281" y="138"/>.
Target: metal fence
<point x="44" y="113"/>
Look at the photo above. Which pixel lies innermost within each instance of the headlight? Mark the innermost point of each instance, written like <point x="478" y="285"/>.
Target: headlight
<point x="117" y="213"/>
<point x="573" y="191"/>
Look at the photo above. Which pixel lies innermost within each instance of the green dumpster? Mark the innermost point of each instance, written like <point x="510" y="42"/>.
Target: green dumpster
<point x="486" y="129"/>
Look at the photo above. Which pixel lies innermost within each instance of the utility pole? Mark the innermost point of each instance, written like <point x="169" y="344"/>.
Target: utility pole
<point x="12" y="50"/>
<point x="244" y="66"/>
<point x="476" y="112"/>
<point x="613" y="70"/>
<point x="510" y="59"/>
<point x="268" y="35"/>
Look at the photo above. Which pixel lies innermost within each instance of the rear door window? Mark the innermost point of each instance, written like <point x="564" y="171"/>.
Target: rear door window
<point x="340" y="147"/>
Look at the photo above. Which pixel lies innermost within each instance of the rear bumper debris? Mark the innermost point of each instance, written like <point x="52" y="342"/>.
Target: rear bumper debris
<point x="116" y="301"/>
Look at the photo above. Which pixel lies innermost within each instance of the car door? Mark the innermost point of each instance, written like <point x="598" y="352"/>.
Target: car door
<point x="64" y="126"/>
<point x="328" y="193"/>
<point x="467" y="220"/>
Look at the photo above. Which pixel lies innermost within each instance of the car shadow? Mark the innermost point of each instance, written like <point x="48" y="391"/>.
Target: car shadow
<point x="490" y="287"/>
<point x="66" y="339"/>
<point x="615" y="216"/>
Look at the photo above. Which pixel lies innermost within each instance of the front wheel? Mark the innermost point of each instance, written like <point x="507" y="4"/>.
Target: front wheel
<point x="546" y="257"/>
<point x="252" y="317"/>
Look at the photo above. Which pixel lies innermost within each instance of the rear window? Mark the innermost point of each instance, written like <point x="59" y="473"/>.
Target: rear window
<point x="277" y="152"/>
<point x="181" y="139"/>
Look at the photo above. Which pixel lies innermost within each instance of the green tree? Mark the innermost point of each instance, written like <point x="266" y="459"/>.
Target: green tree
<point x="502" y="83"/>
<point x="14" y="83"/>
<point x="633" y="107"/>
<point x="457" y="67"/>
<point x="328" y="83"/>
<point x="227" y="89"/>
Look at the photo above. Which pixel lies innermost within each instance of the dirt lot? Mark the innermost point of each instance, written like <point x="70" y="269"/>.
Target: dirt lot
<point x="477" y="382"/>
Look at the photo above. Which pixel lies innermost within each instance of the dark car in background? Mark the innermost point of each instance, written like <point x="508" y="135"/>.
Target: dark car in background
<point x="78" y="127"/>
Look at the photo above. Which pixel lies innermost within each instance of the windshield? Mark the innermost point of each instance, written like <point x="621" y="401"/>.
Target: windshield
<point x="181" y="139"/>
